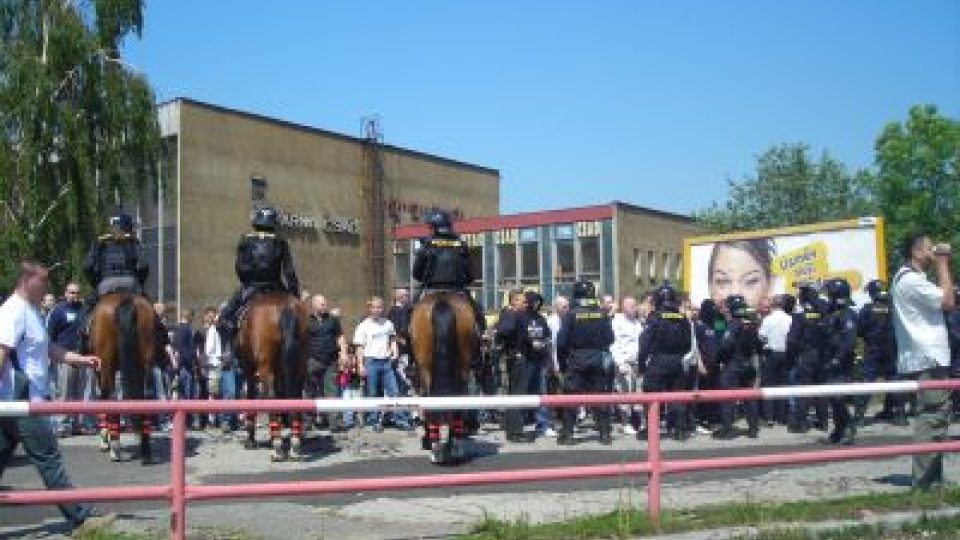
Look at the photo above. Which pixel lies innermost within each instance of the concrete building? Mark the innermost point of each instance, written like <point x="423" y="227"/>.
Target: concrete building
<point x="622" y="248"/>
<point x="339" y="197"/>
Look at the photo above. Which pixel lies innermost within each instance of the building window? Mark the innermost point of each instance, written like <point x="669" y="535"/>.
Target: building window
<point x="506" y="263"/>
<point x="565" y="260"/>
<point x="258" y="189"/>
<point x="677" y="267"/>
<point x="530" y="263"/>
<point x="590" y="258"/>
<point x="563" y="232"/>
<point x="529" y="235"/>
<point x="665" y="262"/>
<point x="652" y="267"/>
<point x="401" y="268"/>
<point x="476" y="263"/>
<point x="637" y="264"/>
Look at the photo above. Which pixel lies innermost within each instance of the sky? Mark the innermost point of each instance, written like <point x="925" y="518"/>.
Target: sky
<point x="654" y="103"/>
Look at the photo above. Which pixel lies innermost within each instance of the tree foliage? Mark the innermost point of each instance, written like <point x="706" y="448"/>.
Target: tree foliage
<point x="79" y="126"/>
<point x="790" y="188"/>
<point x="918" y="177"/>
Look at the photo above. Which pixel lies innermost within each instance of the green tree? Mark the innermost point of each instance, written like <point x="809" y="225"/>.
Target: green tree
<point x="79" y="127"/>
<point x="917" y="181"/>
<point x="790" y="188"/>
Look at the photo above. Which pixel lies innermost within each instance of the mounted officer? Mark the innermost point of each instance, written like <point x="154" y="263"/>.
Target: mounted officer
<point x="263" y="265"/>
<point x="443" y="262"/>
<point x="112" y="265"/>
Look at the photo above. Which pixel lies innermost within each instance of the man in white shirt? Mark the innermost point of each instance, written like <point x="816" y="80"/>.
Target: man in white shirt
<point x="626" y="346"/>
<point x="776" y="370"/>
<point x="25" y="354"/>
<point x="561" y="305"/>
<point x="376" y="342"/>
<point x="923" y="349"/>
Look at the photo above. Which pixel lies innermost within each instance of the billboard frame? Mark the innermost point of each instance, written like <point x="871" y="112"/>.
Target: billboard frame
<point x="867" y="222"/>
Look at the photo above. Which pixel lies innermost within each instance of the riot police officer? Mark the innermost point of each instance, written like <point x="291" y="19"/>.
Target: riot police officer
<point x="263" y="264"/>
<point x="709" y="328"/>
<point x="839" y="356"/>
<point x="586" y="332"/>
<point x="875" y="326"/>
<point x="665" y="340"/>
<point x="525" y="337"/>
<point x="443" y="261"/>
<point x="806" y="341"/>
<point x="739" y="355"/>
<point x="113" y="265"/>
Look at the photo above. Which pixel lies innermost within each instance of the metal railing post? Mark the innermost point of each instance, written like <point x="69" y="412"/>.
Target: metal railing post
<point x="178" y="456"/>
<point x="653" y="457"/>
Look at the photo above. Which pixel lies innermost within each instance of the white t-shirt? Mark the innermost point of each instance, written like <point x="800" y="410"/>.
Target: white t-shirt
<point x="213" y="348"/>
<point x="918" y="323"/>
<point x="553" y="323"/>
<point x="22" y="329"/>
<point x="774" y="330"/>
<point x="626" y="339"/>
<point x="374" y="336"/>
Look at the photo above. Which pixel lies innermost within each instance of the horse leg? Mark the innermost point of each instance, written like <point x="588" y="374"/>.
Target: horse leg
<point x="113" y="428"/>
<point x="146" y="428"/>
<point x="276" y="443"/>
<point x="296" y="443"/>
<point x="251" y="416"/>
<point x="103" y="428"/>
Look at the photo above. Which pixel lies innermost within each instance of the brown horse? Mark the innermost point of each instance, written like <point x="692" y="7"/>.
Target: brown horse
<point x="123" y="334"/>
<point x="271" y="350"/>
<point x="444" y="340"/>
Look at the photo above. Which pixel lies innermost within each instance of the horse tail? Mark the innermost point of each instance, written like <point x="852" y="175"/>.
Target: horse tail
<point x="289" y="353"/>
<point x="445" y="349"/>
<point x="125" y="317"/>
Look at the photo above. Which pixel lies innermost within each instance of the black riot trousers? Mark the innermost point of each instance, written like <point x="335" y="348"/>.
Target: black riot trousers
<point x="810" y="371"/>
<point x="586" y="374"/>
<point x="739" y="373"/>
<point x="666" y="373"/>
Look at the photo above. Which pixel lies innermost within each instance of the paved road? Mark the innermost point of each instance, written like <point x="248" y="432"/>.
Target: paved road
<point x="222" y="463"/>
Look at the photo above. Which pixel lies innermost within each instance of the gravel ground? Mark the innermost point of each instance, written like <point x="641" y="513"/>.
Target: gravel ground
<point x="215" y="459"/>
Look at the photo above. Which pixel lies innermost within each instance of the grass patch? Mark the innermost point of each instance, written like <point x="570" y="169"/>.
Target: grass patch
<point x="925" y="529"/>
<point x="627" y="522"/>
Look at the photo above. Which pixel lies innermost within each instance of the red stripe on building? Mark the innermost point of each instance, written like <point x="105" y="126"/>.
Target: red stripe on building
<point x="513" y="221"/>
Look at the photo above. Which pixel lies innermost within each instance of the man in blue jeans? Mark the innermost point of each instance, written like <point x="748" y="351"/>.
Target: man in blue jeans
<point x="376" y="343"/>
<point x="25" y="355"/>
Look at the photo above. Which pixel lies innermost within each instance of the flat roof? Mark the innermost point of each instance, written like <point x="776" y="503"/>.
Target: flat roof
<point x="534" y="219"/>
<point x="333" y="134"/>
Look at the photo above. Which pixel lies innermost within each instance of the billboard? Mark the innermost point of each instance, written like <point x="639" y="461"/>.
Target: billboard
<point x="761" y="264"/>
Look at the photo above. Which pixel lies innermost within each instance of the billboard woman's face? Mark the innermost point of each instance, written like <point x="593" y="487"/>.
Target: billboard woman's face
<point x="735" y="271"/>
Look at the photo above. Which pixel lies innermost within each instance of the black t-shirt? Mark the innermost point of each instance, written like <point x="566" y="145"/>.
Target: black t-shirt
<point x="323" y="331"/>
<point x="185" y="344"/>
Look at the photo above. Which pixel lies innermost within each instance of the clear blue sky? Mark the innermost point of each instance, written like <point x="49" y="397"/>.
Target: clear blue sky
<point x="574" y="102"/>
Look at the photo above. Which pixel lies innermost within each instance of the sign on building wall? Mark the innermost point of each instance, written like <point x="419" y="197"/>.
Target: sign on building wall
<point x="761" y="264"/>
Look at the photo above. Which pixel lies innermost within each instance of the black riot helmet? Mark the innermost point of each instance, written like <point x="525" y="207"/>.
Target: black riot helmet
<point x="121" y="222"/>
<point x="838" y="292"/>
<point x="266" y="219"/>
<point x="666" y="298"/>
<point x="807" y="292"/>
<point x="878" y="291"/>
<point x="709" y="312"/>
<point x="534" y="301"/>
<point x="788" y="303"/>
<point x="737" y="306"/>
<point x="584" y="290"/>
<point x="440" y="223"/>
